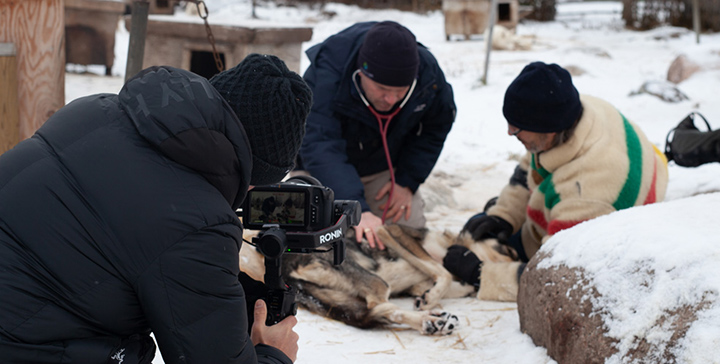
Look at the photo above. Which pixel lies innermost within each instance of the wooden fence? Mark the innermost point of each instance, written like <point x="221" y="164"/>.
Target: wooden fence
<point x="648" y="14"/>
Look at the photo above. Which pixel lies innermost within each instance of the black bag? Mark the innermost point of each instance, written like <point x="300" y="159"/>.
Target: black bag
<point x="691" y="147"/>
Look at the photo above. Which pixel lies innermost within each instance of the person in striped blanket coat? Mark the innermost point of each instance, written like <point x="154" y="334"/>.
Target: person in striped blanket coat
<point x="584" y="159"/>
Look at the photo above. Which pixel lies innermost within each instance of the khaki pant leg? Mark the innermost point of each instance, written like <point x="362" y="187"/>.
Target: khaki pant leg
<point x="373" y="184"/>
<point x="499" y="281"/>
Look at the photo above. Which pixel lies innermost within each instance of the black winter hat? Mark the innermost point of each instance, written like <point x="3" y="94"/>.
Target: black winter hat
<point x="272" y="104"/>
<point x="389" y="54"/>
<point x="542" y="99"/>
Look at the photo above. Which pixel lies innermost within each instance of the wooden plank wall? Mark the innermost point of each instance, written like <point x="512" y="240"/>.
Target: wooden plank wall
<point x="36" y="27"/>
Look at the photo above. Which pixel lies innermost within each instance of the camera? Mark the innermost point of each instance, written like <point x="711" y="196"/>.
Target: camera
<point x="294" y="205"/>
<point x="299" y="215"/>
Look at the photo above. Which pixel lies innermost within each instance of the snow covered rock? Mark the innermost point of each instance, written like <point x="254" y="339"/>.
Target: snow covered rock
<point x="637" y="286"/>
<point x="665" y="90"/>
<point x="504" y="39"/>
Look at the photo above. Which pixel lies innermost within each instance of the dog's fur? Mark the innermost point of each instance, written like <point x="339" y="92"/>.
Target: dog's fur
<point x="357" y="292"/>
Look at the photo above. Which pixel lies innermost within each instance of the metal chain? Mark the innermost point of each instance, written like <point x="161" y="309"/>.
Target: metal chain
<point x="203" y="12"/>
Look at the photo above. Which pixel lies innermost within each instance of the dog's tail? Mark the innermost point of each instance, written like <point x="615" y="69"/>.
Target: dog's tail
<point x="337" y="306"/>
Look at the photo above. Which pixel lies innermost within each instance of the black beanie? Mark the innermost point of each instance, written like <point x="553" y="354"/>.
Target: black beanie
<point x="272" y="104"/>
<point x="389" y="55"/>
<point x="542" y="99"/>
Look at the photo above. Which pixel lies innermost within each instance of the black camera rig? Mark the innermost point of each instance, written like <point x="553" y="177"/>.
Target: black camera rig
<point x="309" y="221"/>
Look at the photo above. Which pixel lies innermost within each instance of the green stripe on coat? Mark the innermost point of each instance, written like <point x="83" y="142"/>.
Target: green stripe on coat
<point x="631" y="189"/>
<point x="546" y="186"/>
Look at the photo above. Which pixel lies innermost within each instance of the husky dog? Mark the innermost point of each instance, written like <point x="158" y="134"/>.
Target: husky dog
<point x="357" y="291"/>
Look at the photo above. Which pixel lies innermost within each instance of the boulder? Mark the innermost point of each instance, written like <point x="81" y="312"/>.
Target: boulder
<point x="555" y="315"/>
<point x="629" y="287"/>
<point x="681" y="69"/>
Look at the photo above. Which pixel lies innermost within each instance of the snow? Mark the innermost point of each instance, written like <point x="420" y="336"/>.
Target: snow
<point x="479" y="157"/>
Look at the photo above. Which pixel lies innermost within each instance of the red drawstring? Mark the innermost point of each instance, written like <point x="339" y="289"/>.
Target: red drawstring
<point x="383" y="132"/>
<point x="383" y="135"/>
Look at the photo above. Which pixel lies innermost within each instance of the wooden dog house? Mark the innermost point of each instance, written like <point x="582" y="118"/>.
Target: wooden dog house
<point x="184" y="44"/>
<point x="166" y="7"/>
<point x="90" y="27"/>
<point x="471" y="17"/>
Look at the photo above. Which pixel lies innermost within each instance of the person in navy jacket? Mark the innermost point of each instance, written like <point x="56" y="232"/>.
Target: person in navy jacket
<point x="117" y="219"/>
<point x="381" y="104"/>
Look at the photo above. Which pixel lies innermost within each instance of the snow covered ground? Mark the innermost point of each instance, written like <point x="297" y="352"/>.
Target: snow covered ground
<point x="479" y="157"/>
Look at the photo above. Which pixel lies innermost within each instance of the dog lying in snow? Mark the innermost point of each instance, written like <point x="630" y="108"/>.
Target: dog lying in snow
<point x="357" y="292"/>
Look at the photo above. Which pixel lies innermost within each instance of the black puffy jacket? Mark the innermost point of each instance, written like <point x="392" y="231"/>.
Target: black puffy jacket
<point x="117" y="219"/>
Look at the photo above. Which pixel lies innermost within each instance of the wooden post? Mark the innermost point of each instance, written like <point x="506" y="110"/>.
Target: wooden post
<point x="9" y="135"/>
<point x="36" y="27"/>
<point x="696" y="20"/>
<point x="488" y="41"/>
<point x="136" y="43"/>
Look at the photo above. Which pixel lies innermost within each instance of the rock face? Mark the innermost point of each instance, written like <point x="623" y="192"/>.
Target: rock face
<point x="555" y="315"/>
<point x="607" y="291"/>
<point x="556" y="312"/>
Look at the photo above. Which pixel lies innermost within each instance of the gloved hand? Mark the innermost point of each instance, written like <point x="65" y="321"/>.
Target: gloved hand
<point x="483" y="226"/>
<point x="464" y="264"/>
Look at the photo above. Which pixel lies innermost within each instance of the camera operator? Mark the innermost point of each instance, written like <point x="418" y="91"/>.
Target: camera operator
<point x="117" y="219"/>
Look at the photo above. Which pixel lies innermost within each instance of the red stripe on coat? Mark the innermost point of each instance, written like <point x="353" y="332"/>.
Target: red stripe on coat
<point x="652" y="196"/>
<point x="538" y="217"/>
<point x="559" y="225"/>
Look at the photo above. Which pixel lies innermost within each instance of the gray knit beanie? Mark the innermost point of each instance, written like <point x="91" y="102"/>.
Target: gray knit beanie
<point x="272" y="104"/>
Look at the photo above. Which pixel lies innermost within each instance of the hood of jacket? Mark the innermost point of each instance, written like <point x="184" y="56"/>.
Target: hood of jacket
<point x="186" y="119"/>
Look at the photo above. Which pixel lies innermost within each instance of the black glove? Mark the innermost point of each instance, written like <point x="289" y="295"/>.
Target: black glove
<point x="464" y="264"/>
<point x="483" y="226"/>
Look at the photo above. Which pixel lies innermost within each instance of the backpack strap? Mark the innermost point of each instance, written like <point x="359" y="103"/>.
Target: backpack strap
<point x="705" y="120"/>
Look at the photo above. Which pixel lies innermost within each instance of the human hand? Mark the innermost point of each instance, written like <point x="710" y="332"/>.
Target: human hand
<point x="483" y="226"/>
<point x="280" y="335"/>
<point x="369" y="223"/>
<point x="401" y="203"/>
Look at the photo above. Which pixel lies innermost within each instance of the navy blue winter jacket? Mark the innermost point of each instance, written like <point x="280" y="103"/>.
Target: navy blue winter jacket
<point x="342" y="141"/>
<point x="117" y="218"/>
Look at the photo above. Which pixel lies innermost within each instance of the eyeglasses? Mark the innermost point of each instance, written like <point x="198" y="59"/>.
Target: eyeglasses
<point x="514" y="133"/>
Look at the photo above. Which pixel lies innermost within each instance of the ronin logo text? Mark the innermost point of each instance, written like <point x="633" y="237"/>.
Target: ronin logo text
<point x="324" y="238"/>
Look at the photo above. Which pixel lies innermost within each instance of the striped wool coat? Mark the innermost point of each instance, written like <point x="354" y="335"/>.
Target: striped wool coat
<point x="608" y="164"/>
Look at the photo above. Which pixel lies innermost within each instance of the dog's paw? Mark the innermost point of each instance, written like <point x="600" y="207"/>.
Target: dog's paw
<point x="428" y="300"/>
<point x="421" y="302"/>
<point x="440" y="323"/>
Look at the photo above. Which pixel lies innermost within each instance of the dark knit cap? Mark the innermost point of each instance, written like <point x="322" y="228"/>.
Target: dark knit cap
<point x="389" y="54"/>
<point x="272" y="104"/>
<point x="542" y="99"/>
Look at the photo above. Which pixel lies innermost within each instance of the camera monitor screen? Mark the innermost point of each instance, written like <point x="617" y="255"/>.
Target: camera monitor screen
<point x="277" y="207"/>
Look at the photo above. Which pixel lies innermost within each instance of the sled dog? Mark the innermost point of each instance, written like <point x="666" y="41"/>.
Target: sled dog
<point x="357" y="292"/>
